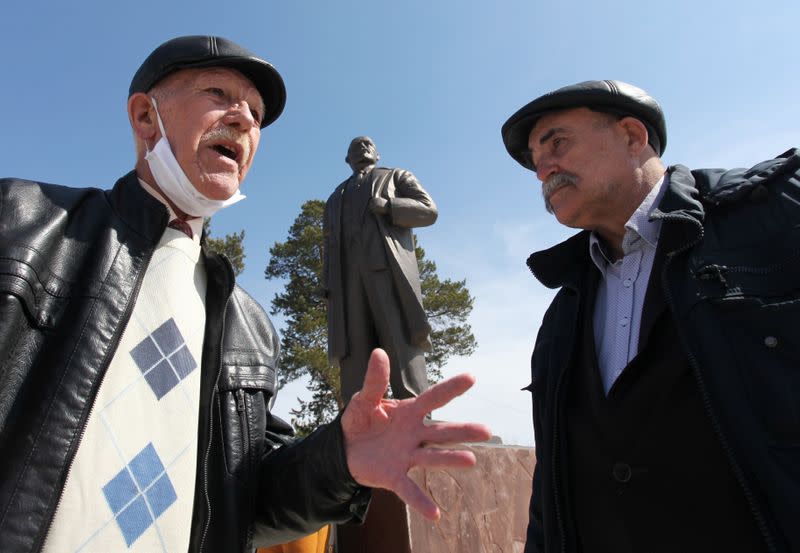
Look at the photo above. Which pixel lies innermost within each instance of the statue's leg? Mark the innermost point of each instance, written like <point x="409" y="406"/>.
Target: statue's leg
<point x="361" y="335"/>
<point x="408" y="375"/>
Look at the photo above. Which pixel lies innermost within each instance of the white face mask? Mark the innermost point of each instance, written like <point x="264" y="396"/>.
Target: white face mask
<point x="173" y="182"/>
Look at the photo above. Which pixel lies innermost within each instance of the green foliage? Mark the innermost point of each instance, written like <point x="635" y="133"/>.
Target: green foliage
<point x="231" y="246"/>
<point x="447" y="304"/>
<point x="304" y="344"/>
<point x="304" y="341"/>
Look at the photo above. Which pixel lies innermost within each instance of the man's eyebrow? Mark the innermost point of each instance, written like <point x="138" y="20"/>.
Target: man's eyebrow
<point x="549" y="134"/>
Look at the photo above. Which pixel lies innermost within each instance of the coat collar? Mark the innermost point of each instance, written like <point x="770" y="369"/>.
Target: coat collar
<point x="140" y="211"/>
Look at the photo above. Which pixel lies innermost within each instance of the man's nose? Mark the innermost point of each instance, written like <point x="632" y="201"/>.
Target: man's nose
<point x="240" y="115"/>
<point x="545" y="168"/>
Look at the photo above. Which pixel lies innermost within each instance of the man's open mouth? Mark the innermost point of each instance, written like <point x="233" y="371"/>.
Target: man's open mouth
<point x="227" y="152"/>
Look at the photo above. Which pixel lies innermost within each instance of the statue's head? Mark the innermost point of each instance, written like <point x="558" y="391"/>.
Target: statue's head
<point x="362" y="153"/>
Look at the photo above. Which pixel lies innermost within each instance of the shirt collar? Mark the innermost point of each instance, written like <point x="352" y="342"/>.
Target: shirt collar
<point x="196" y="223"/>
<point x="640" y="230"/>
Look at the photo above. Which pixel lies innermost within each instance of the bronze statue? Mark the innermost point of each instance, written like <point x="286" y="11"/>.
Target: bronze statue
<point x="370" y="272"/>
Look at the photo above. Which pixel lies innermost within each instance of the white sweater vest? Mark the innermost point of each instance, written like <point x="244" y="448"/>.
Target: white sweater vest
<point x="131" y="484"/>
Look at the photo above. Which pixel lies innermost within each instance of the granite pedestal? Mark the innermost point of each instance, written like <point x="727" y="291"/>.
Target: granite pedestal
<point x="484" y="509"/>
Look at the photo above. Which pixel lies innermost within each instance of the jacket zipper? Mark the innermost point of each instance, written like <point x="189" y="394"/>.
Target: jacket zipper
<point x="718" y="272"/>
<point x="113" y="348"/>
<point x="737" y="470"/>
<point x="241" y="407"/>
<point x="244" y="424"/>
<point x="211" y="413"/>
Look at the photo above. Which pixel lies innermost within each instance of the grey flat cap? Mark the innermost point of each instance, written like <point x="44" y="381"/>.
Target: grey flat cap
<point x="210" y="51"/>
<point x="606" y="96"/>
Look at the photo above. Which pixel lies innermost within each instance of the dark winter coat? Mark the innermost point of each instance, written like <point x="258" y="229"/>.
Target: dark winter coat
<point x="731" y="279"/>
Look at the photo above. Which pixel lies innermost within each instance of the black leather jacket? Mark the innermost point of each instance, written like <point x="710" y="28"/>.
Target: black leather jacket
<point x="71" y="264"/>
<point x="731" y="279"/>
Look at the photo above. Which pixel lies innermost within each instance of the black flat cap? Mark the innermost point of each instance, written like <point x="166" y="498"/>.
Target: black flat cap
<point x="606" y="96"/>
<point x="211" y="51"/>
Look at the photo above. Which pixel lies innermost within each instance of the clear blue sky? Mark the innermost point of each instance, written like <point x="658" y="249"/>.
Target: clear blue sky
<point x="431" y="81"/>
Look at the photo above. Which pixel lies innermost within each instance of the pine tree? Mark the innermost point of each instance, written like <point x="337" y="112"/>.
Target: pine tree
<point x="232" y="246"/>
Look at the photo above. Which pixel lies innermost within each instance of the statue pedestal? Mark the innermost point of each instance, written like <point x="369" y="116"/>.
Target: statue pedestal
<point x="484" y="509"/>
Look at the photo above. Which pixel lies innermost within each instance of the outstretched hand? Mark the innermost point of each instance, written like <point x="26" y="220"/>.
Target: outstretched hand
<point x="385" y="438"/>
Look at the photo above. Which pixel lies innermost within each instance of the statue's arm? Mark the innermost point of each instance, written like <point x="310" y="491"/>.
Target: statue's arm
<point x="411" y="205"/>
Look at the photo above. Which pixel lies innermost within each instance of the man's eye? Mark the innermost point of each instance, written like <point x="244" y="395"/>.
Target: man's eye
<point x="557" y="142"/>
<point x="216" y="91"/>
<point x="256" y="116"/>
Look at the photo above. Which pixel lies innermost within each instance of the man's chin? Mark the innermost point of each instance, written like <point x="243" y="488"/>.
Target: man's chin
<point x="569" y="220"/>
<point x="219" y="187"/>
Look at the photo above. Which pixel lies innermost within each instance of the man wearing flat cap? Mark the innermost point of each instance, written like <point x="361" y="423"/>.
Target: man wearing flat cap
<point x="136" y="377"/>
<point x="665" y="378"/>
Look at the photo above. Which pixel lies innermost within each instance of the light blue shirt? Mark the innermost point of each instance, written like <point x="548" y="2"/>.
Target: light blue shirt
<point x="622" y="288"/>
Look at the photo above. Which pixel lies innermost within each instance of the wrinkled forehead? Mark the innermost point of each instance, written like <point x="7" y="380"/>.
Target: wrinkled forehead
<point x="560" y="120"/>
<point x="228" y="77"/>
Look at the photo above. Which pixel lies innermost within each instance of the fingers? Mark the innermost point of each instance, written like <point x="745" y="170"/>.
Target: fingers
<point x="415" y="498"/>
<point x="441" y="458"/>
<point x="442" y="393"/>
<point x="376" y="381"/>
<point x="453" y="433"/>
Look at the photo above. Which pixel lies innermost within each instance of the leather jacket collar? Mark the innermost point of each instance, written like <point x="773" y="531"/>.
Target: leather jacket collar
<point x="139" y="210"/>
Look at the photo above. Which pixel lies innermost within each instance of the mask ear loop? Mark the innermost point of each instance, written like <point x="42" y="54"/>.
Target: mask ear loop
<point x="160" y="123"/>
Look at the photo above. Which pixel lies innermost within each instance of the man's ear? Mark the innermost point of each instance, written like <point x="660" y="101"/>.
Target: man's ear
<point x="636" y="134"/>
<point x="142" y="116"/>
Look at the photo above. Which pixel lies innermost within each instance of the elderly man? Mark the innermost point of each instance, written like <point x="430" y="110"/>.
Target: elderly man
<point x="136" y="377"/>
<point x="370" y="272"/>
<point x="665" y="379"/>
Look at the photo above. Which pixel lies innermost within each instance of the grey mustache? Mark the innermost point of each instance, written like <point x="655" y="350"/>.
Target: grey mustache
<point x="557" y="181"/>
<point x="227" y="133"/>
<point x="554" y="183"/>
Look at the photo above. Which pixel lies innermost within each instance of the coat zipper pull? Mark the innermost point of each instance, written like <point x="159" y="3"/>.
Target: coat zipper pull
<point x="713" y="272"/>
<point x="240" y="401"/>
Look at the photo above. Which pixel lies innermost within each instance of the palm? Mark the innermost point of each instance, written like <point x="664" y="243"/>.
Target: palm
<point x="385" y="438"/>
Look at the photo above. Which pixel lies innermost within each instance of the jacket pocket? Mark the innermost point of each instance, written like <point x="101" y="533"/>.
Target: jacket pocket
<point x="245" y="393"/>
<point x="755" y="296"/>
<point x="41" y="301"/>
<point x="765" y="339"/>
<point x="27" y="312"/>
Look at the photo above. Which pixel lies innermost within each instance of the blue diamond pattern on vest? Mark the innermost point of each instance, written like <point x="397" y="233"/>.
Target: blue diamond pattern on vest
<point x="139" y="494"/>
<point x="168" y="337"/>
<point x="163" y="358"/>
<point x="183" y="362"/>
